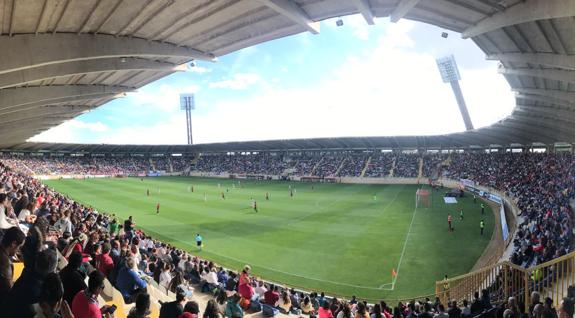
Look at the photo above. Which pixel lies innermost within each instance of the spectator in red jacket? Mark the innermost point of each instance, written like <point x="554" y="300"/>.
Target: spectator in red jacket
<point x="85" y="303"/>
<point x="104" y="262"/>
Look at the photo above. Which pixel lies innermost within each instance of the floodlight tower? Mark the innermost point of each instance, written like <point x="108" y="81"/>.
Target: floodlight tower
<point x="187" y="103"/>
<point x="450" y="74"/>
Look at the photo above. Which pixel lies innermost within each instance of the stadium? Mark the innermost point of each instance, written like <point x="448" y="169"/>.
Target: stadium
<point x="473" y="223"/>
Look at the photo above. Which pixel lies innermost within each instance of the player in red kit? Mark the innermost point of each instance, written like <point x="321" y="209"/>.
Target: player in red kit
<point x="158" y="208"/>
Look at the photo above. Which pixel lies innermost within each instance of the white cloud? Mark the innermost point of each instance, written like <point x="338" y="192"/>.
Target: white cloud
<point x="166" y="98"/>
<point x="393" y="89"/>
<point x="171" y="131"/>
<point x="68" y="131"/>
<point x="199" y="69"/>
<point x="239" y="81"/>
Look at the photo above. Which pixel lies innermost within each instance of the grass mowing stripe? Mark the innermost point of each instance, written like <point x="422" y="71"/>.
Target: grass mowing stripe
<point x="349" y="247"/>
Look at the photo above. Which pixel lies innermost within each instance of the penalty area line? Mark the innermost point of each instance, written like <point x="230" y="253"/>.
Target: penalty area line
<point x="404" y="246"/>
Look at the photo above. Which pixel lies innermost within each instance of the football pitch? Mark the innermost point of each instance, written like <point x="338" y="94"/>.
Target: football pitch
<point x="344" y="239"/>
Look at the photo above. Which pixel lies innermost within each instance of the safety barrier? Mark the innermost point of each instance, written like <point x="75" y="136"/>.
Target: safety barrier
<point x="503" y="280"/>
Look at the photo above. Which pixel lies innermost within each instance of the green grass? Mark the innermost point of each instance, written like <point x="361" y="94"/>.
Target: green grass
<point x="334" y="238"/>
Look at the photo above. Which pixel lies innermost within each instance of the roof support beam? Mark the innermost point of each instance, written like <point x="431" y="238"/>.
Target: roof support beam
<point x="543" y="99"/>
<point x="555" y="94"/>
<point x="534" y="136"/>
<point x="365" y="10"/>
<point x="496" y="138"/>
<point x="402" y="9"/>
<point x="37" y="95"/>
<point x="549" y="124"/>
<point x="550" y="74"/>
<point x="515" y="136"/>
<point x="524" y="11"/>
<point x="553" y="60"/>
<point x="564" y="115"/>
<point x="28" y="51"/>
<point x="292" y="11"/>
<point x="41" y="112"/>
<point x="84" y="67"/>
<point x="253" y="39"/>
<point x="17" y="136"/>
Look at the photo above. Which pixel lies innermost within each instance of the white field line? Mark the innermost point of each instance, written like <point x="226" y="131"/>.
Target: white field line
<point x="381" y="287"/>
<point x="277" y="270"/>
<point x="404" y="246"/>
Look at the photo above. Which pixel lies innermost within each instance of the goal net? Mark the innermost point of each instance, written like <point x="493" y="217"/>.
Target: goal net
<point x="422" y="198"/>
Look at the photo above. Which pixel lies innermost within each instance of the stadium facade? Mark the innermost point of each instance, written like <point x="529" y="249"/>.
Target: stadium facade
<point x="63" y="58"/>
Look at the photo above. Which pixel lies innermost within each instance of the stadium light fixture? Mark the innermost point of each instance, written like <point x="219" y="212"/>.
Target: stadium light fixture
<point x="188" y="103"/>
<point x="450" y="74"/>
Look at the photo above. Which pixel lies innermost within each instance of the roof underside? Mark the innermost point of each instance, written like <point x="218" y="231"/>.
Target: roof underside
<point x="61" y="58"/>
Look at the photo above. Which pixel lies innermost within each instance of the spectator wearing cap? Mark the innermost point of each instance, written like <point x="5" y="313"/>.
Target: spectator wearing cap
<point x="72" y="277"/>
<point x="174" y="309"/>
<point x="11" y="243"/>
<point x="85" y="303"/>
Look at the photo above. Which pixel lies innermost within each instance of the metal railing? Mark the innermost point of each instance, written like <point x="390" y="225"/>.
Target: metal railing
<point x="503" y="280"/>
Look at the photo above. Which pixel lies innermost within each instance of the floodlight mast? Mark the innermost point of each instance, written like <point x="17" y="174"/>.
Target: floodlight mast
<point x="450" y="74"/>
<point x="187" y="103"/>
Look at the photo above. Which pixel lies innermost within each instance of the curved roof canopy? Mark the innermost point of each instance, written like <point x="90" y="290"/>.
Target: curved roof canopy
<point x="61" y="58"/>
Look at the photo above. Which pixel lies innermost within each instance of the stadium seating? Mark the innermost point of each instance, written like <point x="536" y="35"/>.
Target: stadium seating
<point x="541" y="184"/>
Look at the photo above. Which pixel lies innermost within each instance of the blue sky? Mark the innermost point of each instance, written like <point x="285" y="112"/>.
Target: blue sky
<point x="354" y="80"/>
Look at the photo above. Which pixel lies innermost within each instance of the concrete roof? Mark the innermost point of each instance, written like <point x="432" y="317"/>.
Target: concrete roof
<point x="61" y="58"/>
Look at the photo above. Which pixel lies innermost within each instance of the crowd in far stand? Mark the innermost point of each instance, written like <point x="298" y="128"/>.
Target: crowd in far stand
<point x="542" y="185"/>
<point x="61" y="242"/>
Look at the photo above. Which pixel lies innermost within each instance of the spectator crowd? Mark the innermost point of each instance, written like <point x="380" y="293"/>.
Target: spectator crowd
<point x="61" y="242"/>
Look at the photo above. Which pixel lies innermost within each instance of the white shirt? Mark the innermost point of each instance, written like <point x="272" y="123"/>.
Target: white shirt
<point x="5" y="222"/>
<point x="211" y="278"/>
<point x="261" y="290"/>
<point x="165" y="279"/>
<point x="64" y="225"/>
<point x="23" y="214"/>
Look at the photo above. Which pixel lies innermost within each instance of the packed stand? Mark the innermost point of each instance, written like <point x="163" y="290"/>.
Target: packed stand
<point x="431" y="164"/>
<point x="162" y="164"/>
<point x="81" y="165"/>
<point x="406" y="166"/>
<point x="261" y="164"/>
<point x="353" y="165"/>
<point x="380" y="165"/>
<point x="180" y="164"/>
<point x="328" y="166"/>
<point x="43" y="228"/>
<point x="304" y="164"/>
<point x="542" y="186"/>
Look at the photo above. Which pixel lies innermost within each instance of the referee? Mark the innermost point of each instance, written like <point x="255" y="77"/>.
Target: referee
<point x="199" y="242"/>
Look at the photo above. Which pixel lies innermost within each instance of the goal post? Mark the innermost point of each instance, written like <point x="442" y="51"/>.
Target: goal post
<point x="422" y="198"/>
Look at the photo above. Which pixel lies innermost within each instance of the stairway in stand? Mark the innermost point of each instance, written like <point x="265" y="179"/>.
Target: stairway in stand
<point x="366" y="166"/>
